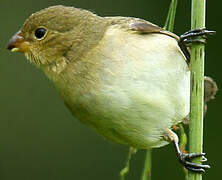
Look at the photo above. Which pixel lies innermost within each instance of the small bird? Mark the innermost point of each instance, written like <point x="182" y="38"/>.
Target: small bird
<point x="124" y="77"/>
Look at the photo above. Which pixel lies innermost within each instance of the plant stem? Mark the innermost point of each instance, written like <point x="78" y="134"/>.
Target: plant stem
<point x="125" y="170"/>
<point x="196" y="90"/>
<point x="169" y="24"/>
<point x="146" y="175"/>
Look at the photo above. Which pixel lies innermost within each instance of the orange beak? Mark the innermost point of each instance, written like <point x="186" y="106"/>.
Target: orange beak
<point x="17" y="43"/>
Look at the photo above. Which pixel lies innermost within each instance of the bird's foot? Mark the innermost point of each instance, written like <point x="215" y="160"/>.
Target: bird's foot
<point x="186" y="158"/>
<point x="195" y="167"/>
<point x="189" y="38"/>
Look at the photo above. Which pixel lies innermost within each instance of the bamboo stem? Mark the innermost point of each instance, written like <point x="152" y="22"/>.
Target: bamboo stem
<point x="197" y="86"/>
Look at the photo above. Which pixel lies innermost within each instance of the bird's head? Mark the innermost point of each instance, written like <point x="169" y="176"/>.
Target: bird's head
<point x="57" y="34"/>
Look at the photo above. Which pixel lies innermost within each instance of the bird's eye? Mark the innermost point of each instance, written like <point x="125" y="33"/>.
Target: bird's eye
<point x="40" y="33"/>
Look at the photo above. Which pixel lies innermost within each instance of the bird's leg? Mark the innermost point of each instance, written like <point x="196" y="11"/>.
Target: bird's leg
<point x="185" y="158"/>
<point x="189" y="38"/>
<point x="125" y="170"/>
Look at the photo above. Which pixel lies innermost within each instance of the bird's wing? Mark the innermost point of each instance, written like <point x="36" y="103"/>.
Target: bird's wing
<point x="144" y="27"/>
<point x="139" y="26"/>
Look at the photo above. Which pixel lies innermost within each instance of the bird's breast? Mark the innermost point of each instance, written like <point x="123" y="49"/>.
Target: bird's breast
<point x="130" y="87"/>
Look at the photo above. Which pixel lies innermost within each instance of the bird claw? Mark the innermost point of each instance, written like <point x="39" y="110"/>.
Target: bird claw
<point x="194" y="33"/>
<point x="204" y="159"/>
<point x="188" y="38"/>
<point x="186" y="158"/>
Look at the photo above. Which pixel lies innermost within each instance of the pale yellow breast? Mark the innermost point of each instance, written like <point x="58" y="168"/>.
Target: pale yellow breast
<point x="134" y="87"/>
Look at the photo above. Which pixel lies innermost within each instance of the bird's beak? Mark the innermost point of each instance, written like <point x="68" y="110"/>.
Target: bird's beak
<point x="17" y="43"/>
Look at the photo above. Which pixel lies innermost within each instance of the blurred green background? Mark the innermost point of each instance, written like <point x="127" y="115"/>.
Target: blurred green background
<point x="39" y="138"/>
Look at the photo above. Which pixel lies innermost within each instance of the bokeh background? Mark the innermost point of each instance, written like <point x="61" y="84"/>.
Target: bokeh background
<point x="39" y="138"/>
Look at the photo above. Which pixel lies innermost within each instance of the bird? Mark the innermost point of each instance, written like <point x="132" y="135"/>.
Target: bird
<point x="125" y="77"/>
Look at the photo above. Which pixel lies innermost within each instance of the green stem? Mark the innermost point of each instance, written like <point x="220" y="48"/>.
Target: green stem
<point x="197" y="88"/>
<point x="146" y="174"/>
<point x="125" y="170"/>
<point x="169" y="24"/>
